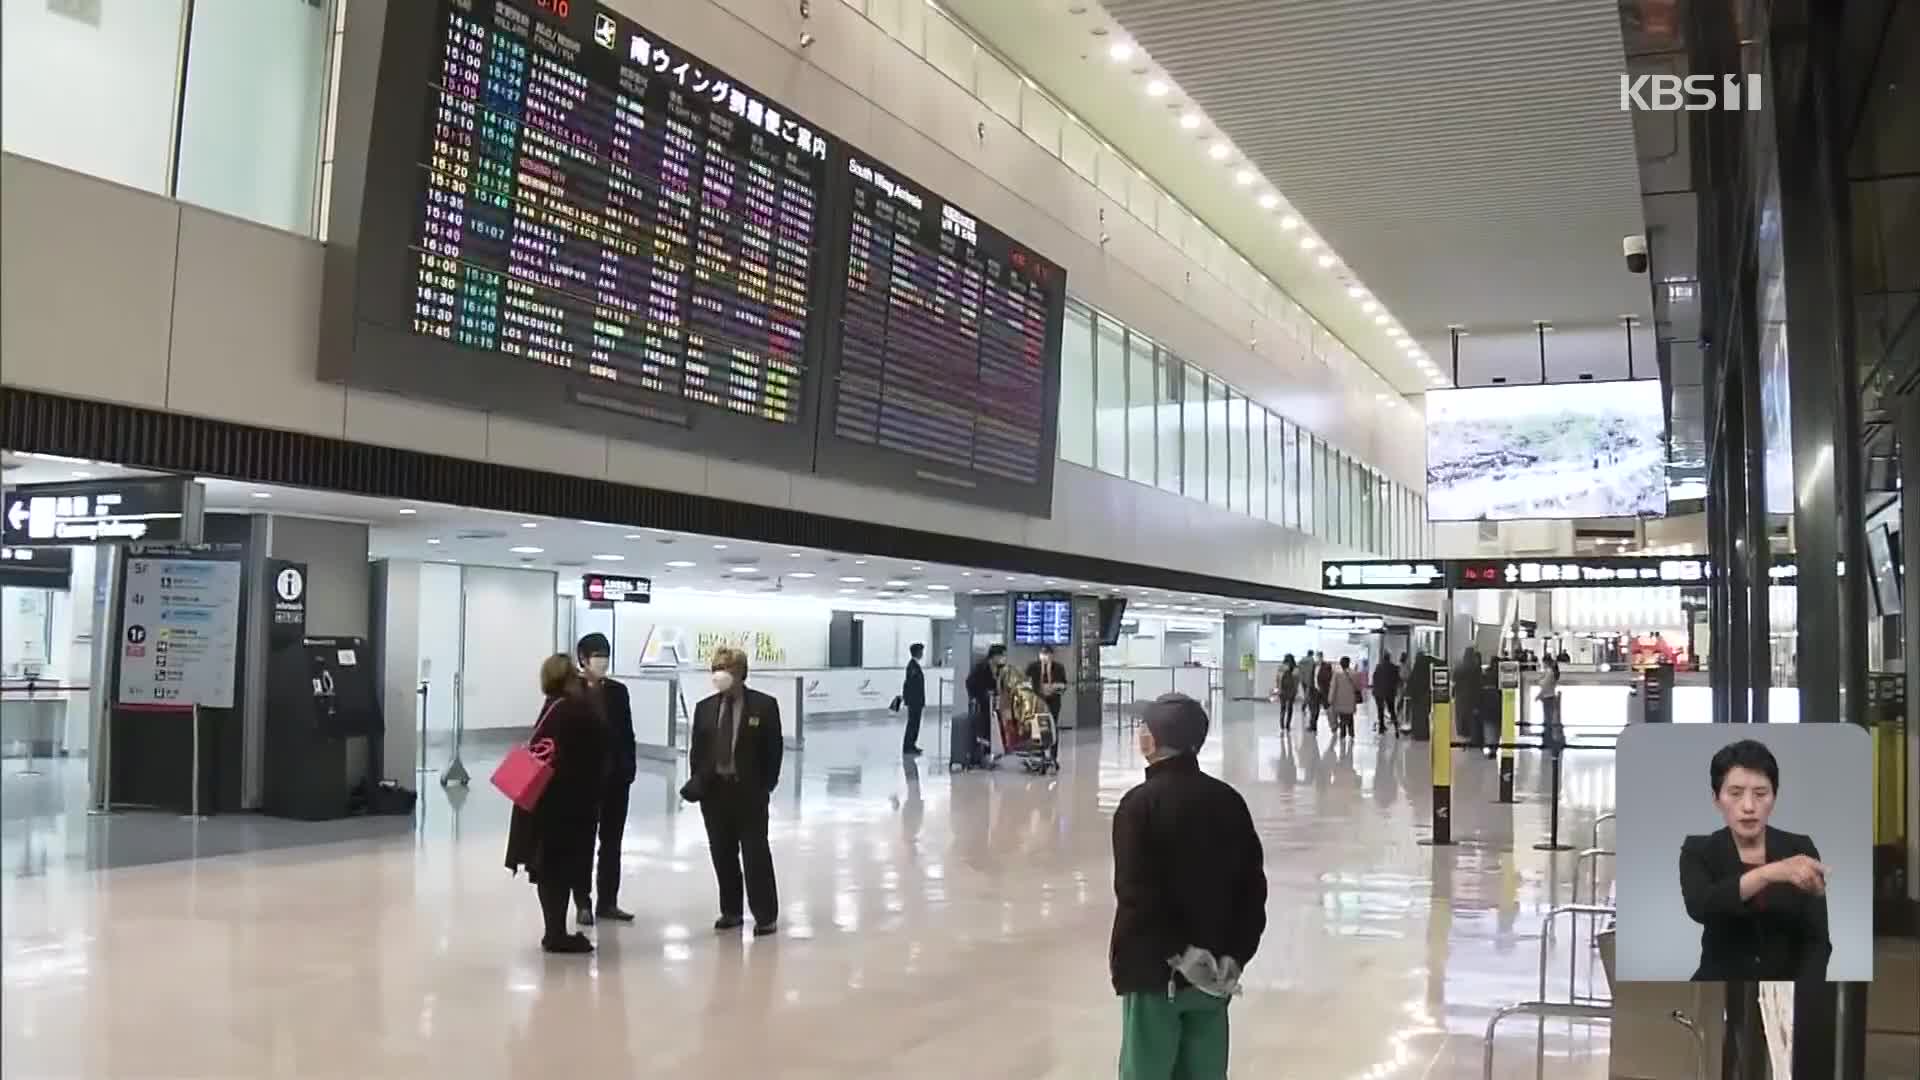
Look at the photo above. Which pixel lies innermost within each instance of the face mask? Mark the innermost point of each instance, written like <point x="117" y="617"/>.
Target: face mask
<point x="597" y="666"/>
<point x="722" y="681"/>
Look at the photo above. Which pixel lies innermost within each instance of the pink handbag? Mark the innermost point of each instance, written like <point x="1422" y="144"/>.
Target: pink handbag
<point x="523" y="775"/>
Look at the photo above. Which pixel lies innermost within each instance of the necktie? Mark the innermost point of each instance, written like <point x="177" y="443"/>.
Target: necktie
<point x="726" y="735"/>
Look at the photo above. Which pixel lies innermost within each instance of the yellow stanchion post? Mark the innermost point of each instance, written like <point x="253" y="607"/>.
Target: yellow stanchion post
<point x="1441" y="742"/>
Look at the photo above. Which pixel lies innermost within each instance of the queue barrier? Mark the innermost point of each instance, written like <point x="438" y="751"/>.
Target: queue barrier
<point x="1569" y="1010"/>
<point x="1442" y="820"/>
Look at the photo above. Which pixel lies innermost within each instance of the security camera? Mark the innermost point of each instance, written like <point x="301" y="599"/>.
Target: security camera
<point x="1635" y="249"/>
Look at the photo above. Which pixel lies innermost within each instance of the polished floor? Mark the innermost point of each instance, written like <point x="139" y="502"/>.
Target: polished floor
<point x="934" y="926"/>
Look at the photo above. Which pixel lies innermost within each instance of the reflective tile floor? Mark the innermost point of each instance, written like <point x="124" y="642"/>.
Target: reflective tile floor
<point x="934" y="926"/>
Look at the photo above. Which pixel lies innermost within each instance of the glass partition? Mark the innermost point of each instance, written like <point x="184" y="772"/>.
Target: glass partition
<point x="1217" y="442"/>
<point x="1076" y="386"/>
<point x="1140" y="409"/>
<point x="1193" y="411"/>
<point x="1167" y="419"/>
<point x="1110" y="389"/>
<point x="1237" y="438"/>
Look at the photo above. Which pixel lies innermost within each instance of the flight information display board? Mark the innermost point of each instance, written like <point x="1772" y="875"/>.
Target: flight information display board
<point x="610" y="207"/>
<point x="1042" y="619"/>
<point x="949" y="337"/>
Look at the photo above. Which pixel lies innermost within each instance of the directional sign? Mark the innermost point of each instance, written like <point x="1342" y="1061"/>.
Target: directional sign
<point x="36" y="568"/>
<point x="158" y="509"/>
<point x="1384" y="574"/>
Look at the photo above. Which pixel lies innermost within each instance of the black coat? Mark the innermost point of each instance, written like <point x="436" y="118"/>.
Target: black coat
<point x="1778" y="935"/>
<point x="982" y="681"/>
<point x="623" y="749"/>
<point x="758" y="745"/>
<point x="1386" y="681"/>
<point x="1187" y="871"/>
<point x="1034" y="679"/>
<point x="555" y="841"/>
<point x="913" y="691"/>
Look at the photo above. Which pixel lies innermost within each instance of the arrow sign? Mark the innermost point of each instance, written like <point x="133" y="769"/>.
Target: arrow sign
<point x="1513" y="572"/>
<point x="17" y="513"/>
<point x="1333" y="575"/>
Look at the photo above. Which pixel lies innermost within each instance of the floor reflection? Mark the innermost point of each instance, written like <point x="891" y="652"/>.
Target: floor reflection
<point x="937" y="924"/>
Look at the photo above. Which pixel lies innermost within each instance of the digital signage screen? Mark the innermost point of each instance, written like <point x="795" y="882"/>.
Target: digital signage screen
<point x="948" y="349"/>
<point x="1042" y="619"/>
<point x="570" y="217"/>
<point x="1586" y="450"/>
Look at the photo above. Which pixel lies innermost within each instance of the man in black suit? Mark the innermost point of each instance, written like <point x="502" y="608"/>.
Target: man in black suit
<point x="735" y="761"/>
<point x="610" y="700"/>
<point x="1048" y="677"/>
<point x="913" y="696"/>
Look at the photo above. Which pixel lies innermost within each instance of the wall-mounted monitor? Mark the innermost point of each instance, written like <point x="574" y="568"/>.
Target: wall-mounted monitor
<point x="1113" y="611"/>
<point x="1507" y="453"/>
<point x="1883" y="551"/>
<point x="1042" y="619"/>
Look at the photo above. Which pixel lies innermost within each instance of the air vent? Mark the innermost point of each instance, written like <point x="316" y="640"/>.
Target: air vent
<point x="571" y="563"/>
<point x="480" y="534"/>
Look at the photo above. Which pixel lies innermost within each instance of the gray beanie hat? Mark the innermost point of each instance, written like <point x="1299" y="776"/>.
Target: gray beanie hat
<point x="1178" y="723"/>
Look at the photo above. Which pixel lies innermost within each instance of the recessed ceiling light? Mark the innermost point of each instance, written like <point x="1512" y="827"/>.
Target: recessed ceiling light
<point x="1157" y="88"/>
<point x="848" y="592"/>
<point x="682" y="564"/>
<point x="719" y="547"/>
<point x="852" y="580"/>
<point x="1189" y="120"/>
<point x="263" y="494"/>
<point x="1355" y="292"/>
<point x="897" y="583"/>
<point x="1308" y="243"/>
<point x="744" y="570"/>
<point x="801" y="575"/>
<point x="524" y="550"/>
<point x="1120" y="52"/>
<point x="81" y="474"/>
<point x="408" y="510"/>
<point x="1327" y="261"/>
<point x="1219" y="151"/>
<point x="1269" y="201"/>
<point x="941" y="588"/>
<point x="611" y="558"/>
<point x="859" y="562"/>
<point x="1381" y="319"/>
<point x="529" y="524"/>
<point x="1370" y="306"/>
<point x="1244" y="177"/>
<point x="917" y="569"/>
<point x="966" y="573"/>
<point x="634" y="536"/>
<point x="1289" y="223"/>
<point x="433" y="539"/>
<point x="794" y="554"/>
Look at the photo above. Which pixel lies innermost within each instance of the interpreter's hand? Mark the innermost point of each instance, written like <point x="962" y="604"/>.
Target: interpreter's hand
<point x="1803" y="872"/>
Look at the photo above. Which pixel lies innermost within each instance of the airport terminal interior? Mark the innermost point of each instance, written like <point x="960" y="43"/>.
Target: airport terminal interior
<point x="691" y="538"/>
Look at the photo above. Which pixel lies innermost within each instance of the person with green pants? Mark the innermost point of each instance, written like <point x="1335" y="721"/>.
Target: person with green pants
<point x="1190" y="891"/>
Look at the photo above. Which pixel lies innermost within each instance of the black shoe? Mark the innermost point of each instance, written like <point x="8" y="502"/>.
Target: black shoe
<point x="763" y="929"/>
<point x="728" y="922"/>
<point x="572" y="943"/>
<point x="583" y="915"/>
<point x="612" y="911"/>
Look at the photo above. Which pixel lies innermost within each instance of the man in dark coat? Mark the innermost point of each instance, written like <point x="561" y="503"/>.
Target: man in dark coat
<point x="1466" y="696"/>
<point x="1190" y="891"/>
<point x="609" y="697"/>
<point x="913" y="697"/>
<point x="983" y="691"/>
<point x="734" y="759"/>
<point x="1386" y="694"/>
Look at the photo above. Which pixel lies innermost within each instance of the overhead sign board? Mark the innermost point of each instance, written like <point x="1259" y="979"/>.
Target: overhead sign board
<point x="164" y="509"/>
<point x="1349" y="575"/>
<point x="1570" y="572"/>
<point x="616" y="588"/>
<point x="36" y="568"/>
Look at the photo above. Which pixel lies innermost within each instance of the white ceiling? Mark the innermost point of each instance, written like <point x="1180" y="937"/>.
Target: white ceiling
<point x="1466" y="160"/>
<point x="399" y="529"/>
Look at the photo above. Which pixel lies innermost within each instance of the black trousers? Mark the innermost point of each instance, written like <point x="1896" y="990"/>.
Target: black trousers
<point x="736" y="820"/>
<point x="1389" y="710"/>
<point x="613" y="829"/>
<point x="912" y="738"/>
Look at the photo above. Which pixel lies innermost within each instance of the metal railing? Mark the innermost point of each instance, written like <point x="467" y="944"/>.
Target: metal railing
<point x="1541" y="1009"/>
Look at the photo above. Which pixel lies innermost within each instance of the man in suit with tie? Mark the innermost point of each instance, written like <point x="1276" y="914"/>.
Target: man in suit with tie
<point x="609" y="697"/>
<point x="1048" y="677"/>
<point x="913" y="697"/>
<point x="735" y="761"/>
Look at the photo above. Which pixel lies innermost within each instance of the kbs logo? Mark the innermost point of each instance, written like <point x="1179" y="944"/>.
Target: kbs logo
<point x="1695" y="93"/>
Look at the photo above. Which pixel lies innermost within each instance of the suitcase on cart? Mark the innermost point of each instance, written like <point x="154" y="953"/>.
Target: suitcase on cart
<point x="964" y="749"/>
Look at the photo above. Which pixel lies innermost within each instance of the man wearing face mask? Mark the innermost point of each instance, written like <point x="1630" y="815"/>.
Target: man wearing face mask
<point x="610" y="700"/>
<point x="735" y="764"/>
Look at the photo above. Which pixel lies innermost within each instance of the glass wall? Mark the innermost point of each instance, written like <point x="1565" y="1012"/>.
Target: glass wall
<point x="1110" y="390"/>
<point x="1140" y="409"/>
<point x="1166" y="382"/>
<point x="233" y="125"/>
<point x="1193" y="414"/>
<point x="1076" y="386"/>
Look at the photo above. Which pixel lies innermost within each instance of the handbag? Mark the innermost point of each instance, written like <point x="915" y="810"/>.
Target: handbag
<point x="895" y="706"/>
<point x="523" y="775"/>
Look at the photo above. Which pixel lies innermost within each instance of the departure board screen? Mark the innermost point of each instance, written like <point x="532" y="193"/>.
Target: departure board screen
<point x="949" y="336"/>
<point x="594" y="199"/>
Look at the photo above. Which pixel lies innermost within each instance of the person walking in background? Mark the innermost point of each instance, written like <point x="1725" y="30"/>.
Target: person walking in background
<point x="913" y="695"/>
<point x="734" y="759"/>
<point x="1362" y="676"/>
<point x="1420" y="694"/>
<point x="1550" y="701"/>
<point x="1286" y="688"/>
<point x="1322" y="686"/>
<point x="1343" y="698"/>
<point x="611" y="703"/>
<point x="553" y="842"/>
<point x="1386" y="695"/>
<point x="1190" y="892"/>
<point x="1466" y="697"/>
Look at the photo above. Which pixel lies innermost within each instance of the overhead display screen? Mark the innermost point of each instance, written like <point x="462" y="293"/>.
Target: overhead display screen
<point x="1591" y="450"/>
<point x="949" y="339"/>
<point x="546" y="210"/>
<point x="1042" y="619"/>
<point x="615" y="211"/>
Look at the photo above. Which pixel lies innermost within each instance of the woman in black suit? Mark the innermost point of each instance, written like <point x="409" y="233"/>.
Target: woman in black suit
<point x="554" y="842"/>
<point x="1758" y="893"/>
